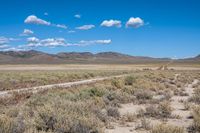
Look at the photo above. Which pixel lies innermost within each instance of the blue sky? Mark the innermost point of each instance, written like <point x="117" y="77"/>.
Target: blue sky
<point x="157" y="28"/>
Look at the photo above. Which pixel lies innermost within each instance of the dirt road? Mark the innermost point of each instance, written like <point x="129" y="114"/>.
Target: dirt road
<point x="61" y="85"/>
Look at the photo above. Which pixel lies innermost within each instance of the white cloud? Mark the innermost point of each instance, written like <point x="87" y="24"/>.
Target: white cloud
<point x="90" y="42"/>
<point x="32" y="19"/>
<point x="71" y="31"/>
<point x="77" y="16"/>
<point x="26" y="32"/>
<point x="49" y="42"/>
<point x="14" y="49"/>
<point x="56" y="42"/>
<point x="53" y="42"/>
<point x="4" y="40"/>
<point x="135" y="22"/>
<point x="3" y="46"/>
<point x="111" y="23"/>
<point x="33" y="40"/>
<point x="61" y="26"/>
<point x="85" y="27"/>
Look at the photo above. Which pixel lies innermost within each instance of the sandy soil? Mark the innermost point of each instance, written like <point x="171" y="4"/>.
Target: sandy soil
<point x="90" y="67"/>
<point x="178" y="109"/>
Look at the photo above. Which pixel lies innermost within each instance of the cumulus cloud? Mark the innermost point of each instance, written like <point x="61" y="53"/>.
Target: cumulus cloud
<point x="14" y="49"/>
<point x="77" y="16"/>
<point x="90" y="42"/>
<point x="111" y="23"/>
<point x="85" y="27"/>
<point x="56" y="42"/>
<point x="26" y="32"/>
<point x="135" y="22"/>
<point x="61" y="26"/>
<point x="49" y="42"/>
<point x="4" y="40"/>
<point x="32" y="19"/>
<point x="4" y="46"/>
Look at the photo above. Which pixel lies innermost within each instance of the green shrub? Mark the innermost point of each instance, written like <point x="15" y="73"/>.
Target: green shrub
<point x="129" y="80"/>
<point x="116" y="83"/>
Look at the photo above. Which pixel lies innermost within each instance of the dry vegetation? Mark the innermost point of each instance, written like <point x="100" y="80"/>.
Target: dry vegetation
<point x="10" y="80"/>
<point x="99" y="107"/>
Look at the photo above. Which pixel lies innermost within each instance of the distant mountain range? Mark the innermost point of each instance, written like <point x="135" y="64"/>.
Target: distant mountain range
<point x="37" y="57"/>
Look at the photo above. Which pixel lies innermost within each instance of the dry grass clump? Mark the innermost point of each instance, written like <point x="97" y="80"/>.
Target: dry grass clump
<point x="143" y="95"/>
<point x="186" y="105"/>
<point x="166" y="129"/>
<point x="195" y="127"/>
<point x="163" y="110"/>
<point x="145" y="124"/>
<point x="11" y="125"/>
<point x="15" y="98"/>
<point x="113" y="112"/>
<point x="196" y="96"/>
<point x="129" y="117"/>
<point x="129" y="80"/>
<point x="117" y="83"/>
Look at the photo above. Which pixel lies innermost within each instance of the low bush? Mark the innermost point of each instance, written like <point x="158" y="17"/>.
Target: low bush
<point x="113" y="112"/>
<point x="166" y="129"/>
<point x="129" y="80"/>
<point x="195" y="127"/>
<point x="163" y="110"/>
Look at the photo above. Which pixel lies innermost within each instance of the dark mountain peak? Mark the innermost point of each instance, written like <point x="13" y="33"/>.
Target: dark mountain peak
<point x="37" y="57"/>
<point x="22" y="54"/>
<point x="198" y="56"/>
<point x="75" y="54"/>
<point x="111" y="54"/>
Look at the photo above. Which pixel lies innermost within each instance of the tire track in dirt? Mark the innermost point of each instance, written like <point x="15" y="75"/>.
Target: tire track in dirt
<point x="62" y="85"/>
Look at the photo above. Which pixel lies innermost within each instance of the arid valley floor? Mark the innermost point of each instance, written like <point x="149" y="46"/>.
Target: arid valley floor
<point x="99" y="99"/>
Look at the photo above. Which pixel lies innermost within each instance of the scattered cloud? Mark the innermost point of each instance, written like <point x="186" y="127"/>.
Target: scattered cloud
<point x="4" y="46"/>
<point x="135" y="22"/>
<point x="27" y="32"/>
<point x="56" y="42"/>
<point x="32" y="19"/>
<point x="85" y="27"/>
<point x="14" y="49"/>
<point x="111" y="23"/>
<point x="49" y="42"/>
<point x="90" y="42"/>
<point x="4" y="40"/>
<point x="71" y="31"/>
<point x="61" y="26"/>
<point x="77" y="16"/>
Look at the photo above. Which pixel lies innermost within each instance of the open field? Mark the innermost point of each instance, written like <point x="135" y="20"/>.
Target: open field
<point x="96" y="67"/>
<point x="10" y="80"/>
<point x="145" y="101"/>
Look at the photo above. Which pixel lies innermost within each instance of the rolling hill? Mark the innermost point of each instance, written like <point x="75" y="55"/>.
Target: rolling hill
<point x="37" y="57"/>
